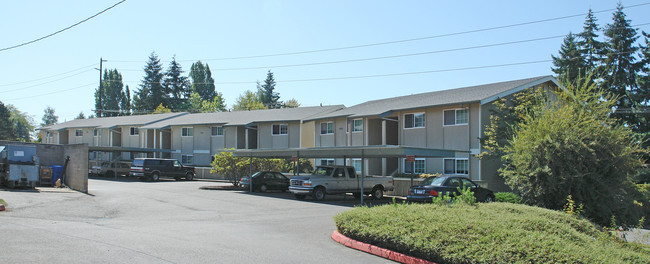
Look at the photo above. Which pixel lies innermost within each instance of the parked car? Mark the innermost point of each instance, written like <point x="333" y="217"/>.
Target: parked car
<point x="266" y="180"/>
<point x="154" y="168"/>
<point x="438" y="186"/>
<point x="108" y="169"/>
<point x="336" y="180"/>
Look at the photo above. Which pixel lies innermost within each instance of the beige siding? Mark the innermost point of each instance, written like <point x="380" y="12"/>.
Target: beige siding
<point x="230" y="137"/>
<point x="307" y="134"/>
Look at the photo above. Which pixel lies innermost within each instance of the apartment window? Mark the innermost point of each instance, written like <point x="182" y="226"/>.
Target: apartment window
<point x="414" y="120"/>
<point x="420" y="166"/>
<point x="356" y="163"/>
<point x="187" y="159"/>
<point x="134" y="131"/>
<point x="327" y="162"/>
<point x="357" y="125"/>
<point x="280" y="129"/>
<point x="97" y="132"/>
<point x="326" y="128"/>
<point x="456" y="117"/>
<point x="217" y="131"/>
<point x="456" y="166"/>
<point x="187" y="132"/>
<point x="78" y="132"/>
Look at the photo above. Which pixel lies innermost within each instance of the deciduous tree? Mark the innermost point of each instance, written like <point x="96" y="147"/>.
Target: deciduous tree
<point x="248" y="101"/>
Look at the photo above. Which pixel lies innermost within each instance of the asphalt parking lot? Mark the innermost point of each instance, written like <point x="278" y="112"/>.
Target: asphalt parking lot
<point x="170" y="222"/>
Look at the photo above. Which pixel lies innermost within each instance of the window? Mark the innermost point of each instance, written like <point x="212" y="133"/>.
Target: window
<point x="356" y="163"/>
<point x="351" y="173"/>
<point x="217" y="131"/>
<point x="420" y="166"/>
<point x="97" y="132"/>
<point x="186" y="159"/>
<point x="357" y="125"/>
<point x="456" y="117"/>
<point x="134" y="131"/>
<point x="414" y="120"/>
<point x="456" y="166"/>
<point x="326" y="128"/>
<point x="327" y="162"/>
<point x="187" y="132"/>
<point x="280" y="129"/>
<point x="78" y="132"/>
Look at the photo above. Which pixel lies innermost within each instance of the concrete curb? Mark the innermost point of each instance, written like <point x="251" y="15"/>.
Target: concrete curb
<point x="377" y="251"/>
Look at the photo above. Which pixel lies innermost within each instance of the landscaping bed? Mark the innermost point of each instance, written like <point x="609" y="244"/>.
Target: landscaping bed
<point x="487" y="233"/>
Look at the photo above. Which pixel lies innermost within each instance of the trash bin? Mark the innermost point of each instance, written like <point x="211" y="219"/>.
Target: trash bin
<point x="57" y="171"/>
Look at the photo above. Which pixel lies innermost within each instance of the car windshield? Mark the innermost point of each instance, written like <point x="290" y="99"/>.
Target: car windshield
<point x="433" y="181"/>
<point x="256" y="174"/>
<point x="138" y="162"/>
<point x="325" y="171"/>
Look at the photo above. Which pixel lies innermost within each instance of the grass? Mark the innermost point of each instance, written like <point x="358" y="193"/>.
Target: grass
<point x="3" y="202"/>
<point x="487" y="233"/>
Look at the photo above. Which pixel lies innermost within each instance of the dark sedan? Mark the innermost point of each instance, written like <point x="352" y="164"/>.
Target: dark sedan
<point x="266" y="180"/>
<point x="438" y="186"/>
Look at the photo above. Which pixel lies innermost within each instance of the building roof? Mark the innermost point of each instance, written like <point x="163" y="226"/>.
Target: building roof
<point x="111" y="122"/>
<point x="481" y="93"/>
<point x="240" y="118"/>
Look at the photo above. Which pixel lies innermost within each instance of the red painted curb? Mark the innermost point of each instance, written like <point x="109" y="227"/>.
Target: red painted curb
<point x="377" y="251"/>
<point x="2" y="207"/>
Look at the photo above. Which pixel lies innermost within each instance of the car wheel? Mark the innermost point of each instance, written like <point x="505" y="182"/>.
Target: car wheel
<point x="378" y="193"/>
<point x="189" y="176"/>
<point x="263" y="188"/>
<point x="356" y="195"/>
<point x="318" y="194"/>
<point x="300" y="196"/>
<point x="490" y="198"/>
<point x="155" y="176"/>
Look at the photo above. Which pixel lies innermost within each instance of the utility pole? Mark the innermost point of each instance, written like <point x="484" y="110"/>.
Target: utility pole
<point x="101" y="94"/>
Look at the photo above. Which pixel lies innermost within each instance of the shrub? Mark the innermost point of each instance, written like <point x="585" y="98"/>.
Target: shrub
<point x="507" y="197"/>
<point x="487" y="233"/>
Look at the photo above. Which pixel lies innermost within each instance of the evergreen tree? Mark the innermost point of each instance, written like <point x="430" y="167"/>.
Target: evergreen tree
<point x="113" y="94"/>
<point x="176" y="86"/>
<point x="643" y="93"/>
<point x="151" y="93"/>
<point x="49" y="118"/>
<point x="202" y="82"/>
<point x="22" y="124"/>
<point x="248" y="101"/>
<point x="620" y="66"/>
<point x="125" y="103"/>
<point x="267" y="94"/>
<point x="589" y="45"/>
<point x="6" y="127"/>
<point x="569" y="65"/>
<point x="80" y="116"/>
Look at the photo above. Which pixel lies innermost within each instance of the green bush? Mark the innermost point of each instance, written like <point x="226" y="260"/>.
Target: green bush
<point x="507" y="197"/>
<point x="487" y="233"/>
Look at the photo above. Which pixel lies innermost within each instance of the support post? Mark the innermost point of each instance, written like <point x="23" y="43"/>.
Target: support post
<point x="363" y="172"/>
<point x="250" y="172"/>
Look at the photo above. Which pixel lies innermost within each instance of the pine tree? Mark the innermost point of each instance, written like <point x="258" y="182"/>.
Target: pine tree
<point x="569" y="65"/>
<point x="589" y="45"/>
<point x="176" y="86"/>
<point x="267" y="93"/>
<point x="202" y="82"/>
<point x="6" y="127"/>
<point x="125" y="103"/>
<point x="113" y="95"/>
<point x="151" y="93"/>
<point x="620" y="66"/>
<point x="49" y="118"/>
<point x="80" y="116"/>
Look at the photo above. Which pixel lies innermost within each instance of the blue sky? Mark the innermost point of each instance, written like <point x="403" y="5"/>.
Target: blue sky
<point x="59" y="71"/>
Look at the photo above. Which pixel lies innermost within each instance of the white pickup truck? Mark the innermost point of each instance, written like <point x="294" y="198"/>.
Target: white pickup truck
<point x="339" y="179"/>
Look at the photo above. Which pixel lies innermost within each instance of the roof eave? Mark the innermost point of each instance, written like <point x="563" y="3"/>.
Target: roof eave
<point x="520" y="88"/>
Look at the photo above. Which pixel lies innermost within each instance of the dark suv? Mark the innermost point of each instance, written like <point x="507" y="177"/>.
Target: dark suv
<point x="153" y="169"/>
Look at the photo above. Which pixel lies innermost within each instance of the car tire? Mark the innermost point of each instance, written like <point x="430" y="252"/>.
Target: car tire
<point x="490" y="198"/>
<point x="189" y="176"/>
<point x="318" y="194"/>
<point x="263" y="188"/>
<point x="377" y="193"/>
<point x="155" y="176"/>
<point x="300" y="196"/>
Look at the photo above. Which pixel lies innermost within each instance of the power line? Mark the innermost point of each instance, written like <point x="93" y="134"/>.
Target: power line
<point x="405" y="40"/>
<point x="59" y="31"/>
<point x="51" y="76"/>
<point x="22" y="88"/>
<point x="54" y="92"/>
